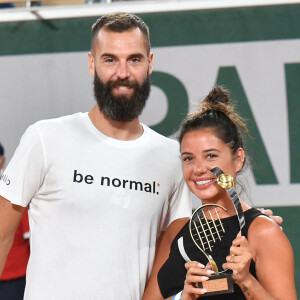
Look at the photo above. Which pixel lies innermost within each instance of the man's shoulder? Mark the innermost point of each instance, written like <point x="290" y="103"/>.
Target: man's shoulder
<point x="55" y="126"/>
<point x="68" y="119"/>
<point x="160" y="138"/>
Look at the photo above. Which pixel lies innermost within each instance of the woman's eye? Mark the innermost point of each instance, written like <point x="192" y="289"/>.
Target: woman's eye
<point x="211" y="155"/>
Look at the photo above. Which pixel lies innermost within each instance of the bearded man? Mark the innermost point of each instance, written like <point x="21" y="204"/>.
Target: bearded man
<point x="101" y="186"/>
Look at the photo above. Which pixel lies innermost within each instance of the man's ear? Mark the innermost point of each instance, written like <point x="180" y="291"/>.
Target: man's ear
<point x="91" y="63"/>
<point x="150" y="63"/>
<point x="239" y="159"/>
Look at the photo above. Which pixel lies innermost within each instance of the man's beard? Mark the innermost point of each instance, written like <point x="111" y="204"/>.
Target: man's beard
<point x="121" y="108"/>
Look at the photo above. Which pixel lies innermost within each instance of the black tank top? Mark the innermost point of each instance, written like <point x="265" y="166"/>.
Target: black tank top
<point x="172" y="274"/>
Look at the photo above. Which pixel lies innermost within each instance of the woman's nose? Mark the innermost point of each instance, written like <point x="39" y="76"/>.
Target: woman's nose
<point x="200" y="168"/>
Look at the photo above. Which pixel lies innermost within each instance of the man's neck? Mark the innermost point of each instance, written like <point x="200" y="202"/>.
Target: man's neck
<point x="125" y="131"/>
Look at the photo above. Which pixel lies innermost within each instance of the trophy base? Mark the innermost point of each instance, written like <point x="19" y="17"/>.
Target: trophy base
<point x="217" y="285"/>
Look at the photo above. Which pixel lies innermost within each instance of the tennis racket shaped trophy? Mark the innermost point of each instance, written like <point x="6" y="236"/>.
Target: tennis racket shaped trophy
<point x="207" y="230"/>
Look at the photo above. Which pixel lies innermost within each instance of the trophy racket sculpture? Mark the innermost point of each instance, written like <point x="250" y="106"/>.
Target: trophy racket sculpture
<point x="206" y="230"/>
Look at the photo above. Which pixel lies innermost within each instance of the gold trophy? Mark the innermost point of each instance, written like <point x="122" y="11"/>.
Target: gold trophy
<point x="207" y="230"/>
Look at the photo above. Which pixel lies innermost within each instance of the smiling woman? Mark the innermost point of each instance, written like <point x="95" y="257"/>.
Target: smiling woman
<point x="210" y="139"/>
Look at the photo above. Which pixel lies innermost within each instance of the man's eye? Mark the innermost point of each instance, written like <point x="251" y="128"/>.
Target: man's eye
<point x="187" y="158"/>
<point x="135" y="59"/>
<point x="109" y="60"/>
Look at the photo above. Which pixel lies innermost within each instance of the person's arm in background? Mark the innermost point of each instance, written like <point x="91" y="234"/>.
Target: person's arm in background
<point x="10" y="217"/>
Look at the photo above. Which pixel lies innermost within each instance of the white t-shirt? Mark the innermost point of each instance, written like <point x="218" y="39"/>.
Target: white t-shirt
<point x="97" y="206"/>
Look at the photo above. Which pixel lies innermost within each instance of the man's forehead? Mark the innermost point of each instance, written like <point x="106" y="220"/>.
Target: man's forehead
<point x="115" y="41"/>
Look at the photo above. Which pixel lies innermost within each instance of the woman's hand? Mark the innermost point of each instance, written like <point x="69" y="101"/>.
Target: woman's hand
<point x="196" y="273"/>
<point x="239" y="259"/>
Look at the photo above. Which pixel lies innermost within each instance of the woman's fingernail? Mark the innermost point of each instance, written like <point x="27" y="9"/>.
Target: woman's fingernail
<point x="201" y="266"/>
<point x="204" y="278"/>
<point x="210" y="272"/>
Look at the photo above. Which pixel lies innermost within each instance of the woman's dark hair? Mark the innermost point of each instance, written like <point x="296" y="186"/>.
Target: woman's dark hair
<point x="217" y="113"/>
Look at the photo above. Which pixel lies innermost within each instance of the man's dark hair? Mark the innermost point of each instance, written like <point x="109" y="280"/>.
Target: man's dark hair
<point x="120" y="22"/>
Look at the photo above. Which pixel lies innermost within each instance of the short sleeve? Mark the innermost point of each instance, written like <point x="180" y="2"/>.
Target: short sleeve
<point x="24" y="174"/>
<point x="180" y="205"/>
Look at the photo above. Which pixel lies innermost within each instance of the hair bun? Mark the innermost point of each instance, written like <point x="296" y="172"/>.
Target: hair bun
<point x="218" y="99"/>
<point x="218" y="95"/>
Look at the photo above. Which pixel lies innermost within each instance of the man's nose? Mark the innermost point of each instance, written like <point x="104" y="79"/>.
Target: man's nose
<point x="123" y="70"/>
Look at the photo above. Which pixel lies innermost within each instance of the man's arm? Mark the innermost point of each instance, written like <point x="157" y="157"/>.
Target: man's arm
<point x="10" y="217"/>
